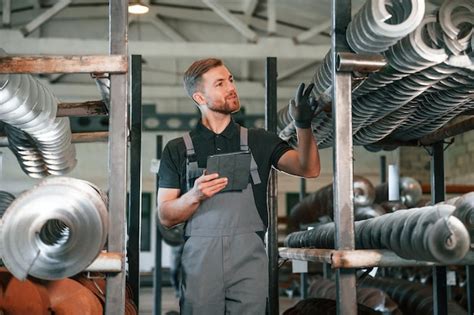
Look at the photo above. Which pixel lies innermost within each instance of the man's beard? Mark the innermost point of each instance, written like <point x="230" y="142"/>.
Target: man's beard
<point x="226" y="108"/>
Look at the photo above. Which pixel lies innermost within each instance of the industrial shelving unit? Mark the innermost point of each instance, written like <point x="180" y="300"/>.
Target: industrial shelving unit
<point x="344" y="259"/>
<point x="116" y="64"/>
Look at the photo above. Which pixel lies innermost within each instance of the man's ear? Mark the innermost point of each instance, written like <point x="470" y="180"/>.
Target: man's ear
<point x="199" y="98"/>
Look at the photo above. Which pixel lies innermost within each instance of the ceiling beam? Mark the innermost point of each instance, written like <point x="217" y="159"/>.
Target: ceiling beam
<point x="233" y="21"/>
<point x="166" y="29"/>
<point x="315" y="30"/>
<point x="292" y="71"/>
<point x="246" y="90"/>
<point x="45" y="16"/>
<point x="249" y="6"/>
<point x="271" y="16"/>
<point x="14" y="43"/>
<point x="6" y="13"/>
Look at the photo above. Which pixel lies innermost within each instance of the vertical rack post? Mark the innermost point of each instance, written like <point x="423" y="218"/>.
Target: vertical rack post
<point x="157" y="275"/>
<point x="440" y="292"/>
<point x="342" y="155"/>
<point x="117" y="160"/>
<point x="272" y="246"/>
<point x="470" y="288"/>
<point x="135" y="201"/>
<point x="303" y="275"/>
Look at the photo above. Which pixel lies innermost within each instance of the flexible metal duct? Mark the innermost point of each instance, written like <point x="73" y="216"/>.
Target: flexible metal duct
<point x="413" y="298"/>
<point x="54" y="230"/>
<point x="311" y="306"/>
<point x="428" y="233"/>
<point x="27" y="105"/>
<point x="380" y="24"/>
<point x="373" y="298"/>
<point x="5" y="201"/>
<point x="464" y="211"/>
<point x="410" y="192"/>
<point x="320" y="203"/>
<point x="428" y="81"/>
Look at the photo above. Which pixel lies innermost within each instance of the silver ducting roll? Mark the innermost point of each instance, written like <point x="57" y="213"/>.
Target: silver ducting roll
<point x="27" y="105"/>
<point x="412" y="297"/>
<point x="320" y="203"/>
<point x="428" y="233"/>
<point x="5" y="201"/>
<point x="54" y="230"/>
<point x="464" y="211"/>
<point x="380" y="24"/>
<point x="410" y="192"/>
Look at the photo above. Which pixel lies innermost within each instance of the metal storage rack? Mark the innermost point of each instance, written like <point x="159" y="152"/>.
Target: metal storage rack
<point x="116" y="64"/>
<point x="345" y="258"/>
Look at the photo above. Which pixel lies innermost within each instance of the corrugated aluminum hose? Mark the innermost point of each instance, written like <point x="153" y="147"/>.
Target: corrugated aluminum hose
<point x="319" y="203"/>
<point x="5" y="201"/>
<point x="54" y="230"/>
<point x="428" y="79"/>
<point x="410" y="192"/>
<point x="28" y="107"/>
<point x="428" y="233"/>
<point x="380" y="24"/>
<point x="464" y="211"/>
<point x="412" y="297"/>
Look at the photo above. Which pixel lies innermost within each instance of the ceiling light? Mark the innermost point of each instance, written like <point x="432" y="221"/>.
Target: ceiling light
<point x="137" y="7"/>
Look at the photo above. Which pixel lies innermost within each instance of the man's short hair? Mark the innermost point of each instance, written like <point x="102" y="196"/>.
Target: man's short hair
<point x="193" y="76"/>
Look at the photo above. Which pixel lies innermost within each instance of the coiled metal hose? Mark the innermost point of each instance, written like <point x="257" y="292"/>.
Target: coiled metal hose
<point x="428" y="233"/>
<point x="55" y="229"/>
<point x="28" y="107"/>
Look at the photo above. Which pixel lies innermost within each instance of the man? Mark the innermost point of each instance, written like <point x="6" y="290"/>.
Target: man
<point x="225" y="267"/>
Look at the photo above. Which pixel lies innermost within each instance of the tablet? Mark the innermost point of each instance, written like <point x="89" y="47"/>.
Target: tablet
<point x="235" y="166"/>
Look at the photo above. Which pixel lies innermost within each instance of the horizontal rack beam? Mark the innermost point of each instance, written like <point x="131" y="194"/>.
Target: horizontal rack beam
<point x="82" y="109"/>
<point x="362" y="258"/>
<point x="107" y="262"/>
<point x="64" y="64"/>
<point x="77" y="137"/>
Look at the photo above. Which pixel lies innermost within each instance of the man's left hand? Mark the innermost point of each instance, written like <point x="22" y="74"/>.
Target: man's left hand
<point x="302" y="108"/>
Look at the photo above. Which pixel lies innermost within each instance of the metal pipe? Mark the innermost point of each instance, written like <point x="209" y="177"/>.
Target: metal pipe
<point x="272" y="201"/>
<point x="118" y="154"/>
<point x="342" y="157"/>
<point x="135" y="200"/>
<point x="157" y="272"/>
<point x="349" y="62"/>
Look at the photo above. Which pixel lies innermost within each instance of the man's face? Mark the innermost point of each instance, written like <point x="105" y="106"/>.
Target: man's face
<point x="218" y="91"/>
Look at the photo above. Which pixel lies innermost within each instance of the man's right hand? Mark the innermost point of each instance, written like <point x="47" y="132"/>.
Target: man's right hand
<point x="207" y="186"/>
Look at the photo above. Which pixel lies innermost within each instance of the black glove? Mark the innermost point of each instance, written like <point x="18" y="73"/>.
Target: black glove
<point x="302" y="108"/>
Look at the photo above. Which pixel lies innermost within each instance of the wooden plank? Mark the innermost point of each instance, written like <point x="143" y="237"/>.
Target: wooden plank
<point x="64" y="64"/>
<point x="77" y="137"/>
<point x="81" y="109"/>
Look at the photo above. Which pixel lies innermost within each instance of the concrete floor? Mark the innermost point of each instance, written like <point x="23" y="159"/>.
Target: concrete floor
<point x="170" y="302"/>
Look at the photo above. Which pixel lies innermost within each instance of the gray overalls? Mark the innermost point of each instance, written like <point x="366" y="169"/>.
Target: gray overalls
<point x="225" y="267"/>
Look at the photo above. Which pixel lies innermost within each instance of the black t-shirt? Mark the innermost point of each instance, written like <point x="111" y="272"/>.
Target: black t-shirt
<point x="266" y="147"/>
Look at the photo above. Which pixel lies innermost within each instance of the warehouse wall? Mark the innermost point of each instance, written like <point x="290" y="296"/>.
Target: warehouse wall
<point x="459" y="161"/>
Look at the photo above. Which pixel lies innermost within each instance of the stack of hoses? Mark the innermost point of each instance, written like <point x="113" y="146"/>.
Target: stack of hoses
<point x="5" y="201"/>
<point x="412" y="297"/>
<point x="410" y="192"/>
<point x="429" y="233"/>
<point x="320" y="203"/>
<point x="428" y="81"/>
<point x="54" y="230"/>
<point x="30" y="108"/>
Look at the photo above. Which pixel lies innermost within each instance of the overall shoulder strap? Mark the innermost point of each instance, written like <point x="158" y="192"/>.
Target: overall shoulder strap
<point x="189" y="144"/>
<point x="191" y="167"/>
<point x="244" y="146"/>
